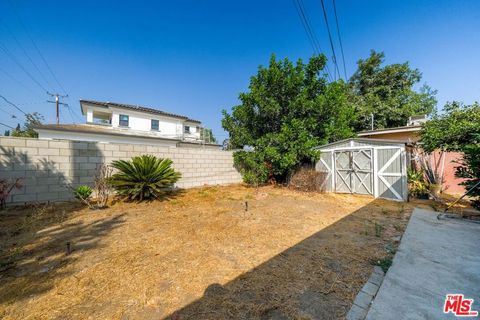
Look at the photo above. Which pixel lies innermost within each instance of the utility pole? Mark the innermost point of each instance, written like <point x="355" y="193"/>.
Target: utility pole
<point x="57" y="103"/>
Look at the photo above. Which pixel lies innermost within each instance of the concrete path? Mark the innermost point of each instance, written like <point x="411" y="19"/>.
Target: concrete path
<point x="435" y="258"/>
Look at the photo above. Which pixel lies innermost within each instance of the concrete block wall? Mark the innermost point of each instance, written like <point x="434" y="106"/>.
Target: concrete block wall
<point x="47" y="166"/>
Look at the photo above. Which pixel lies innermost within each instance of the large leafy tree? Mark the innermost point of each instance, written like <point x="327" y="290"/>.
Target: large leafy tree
<point x="457" y="129"/>
<point x="387" y="92"/>
<point x="288" y="109"/>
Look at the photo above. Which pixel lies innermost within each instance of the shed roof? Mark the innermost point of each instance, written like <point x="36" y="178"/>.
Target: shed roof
<point x="367" y="141"/>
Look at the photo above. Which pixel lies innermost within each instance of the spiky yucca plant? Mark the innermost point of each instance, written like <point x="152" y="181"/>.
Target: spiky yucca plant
<point x="143" y="177"/>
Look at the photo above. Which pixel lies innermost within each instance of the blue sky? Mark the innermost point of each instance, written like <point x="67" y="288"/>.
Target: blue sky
<point x="194" y="57"/>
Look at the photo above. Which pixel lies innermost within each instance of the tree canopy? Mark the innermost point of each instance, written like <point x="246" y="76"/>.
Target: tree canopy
<point x="207" y="135"/>
<point x="288" y="109"/>
<point x="458" y="126"/>
<point x="387" y="92"/>
<point x="31" y="119"/>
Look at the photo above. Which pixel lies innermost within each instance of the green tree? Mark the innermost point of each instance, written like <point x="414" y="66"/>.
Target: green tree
<point x="288" y="109"/>
<point x="31" y="120"/>
<point x="457" y="129"/>
<point x="207" y="135"/>
<point x="387" y="93"/>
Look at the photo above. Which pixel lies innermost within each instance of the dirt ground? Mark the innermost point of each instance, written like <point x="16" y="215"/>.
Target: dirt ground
<point x="197" y="255"/>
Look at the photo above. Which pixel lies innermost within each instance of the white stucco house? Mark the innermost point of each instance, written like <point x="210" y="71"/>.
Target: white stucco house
<point x="125" y="123"/>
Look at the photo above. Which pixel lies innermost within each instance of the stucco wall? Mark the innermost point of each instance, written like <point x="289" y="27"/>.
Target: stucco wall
<point x="451" y="184"/>
<point x="47" y="166"/>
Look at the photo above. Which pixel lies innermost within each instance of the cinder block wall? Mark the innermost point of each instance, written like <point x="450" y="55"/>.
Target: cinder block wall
<point x="46" y="166"/>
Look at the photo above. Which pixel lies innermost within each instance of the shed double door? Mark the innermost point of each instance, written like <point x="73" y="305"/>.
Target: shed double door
<point x="354" y="171"/>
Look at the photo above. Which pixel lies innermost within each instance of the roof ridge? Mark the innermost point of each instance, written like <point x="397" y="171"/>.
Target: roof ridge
<point x="139" y="108"/>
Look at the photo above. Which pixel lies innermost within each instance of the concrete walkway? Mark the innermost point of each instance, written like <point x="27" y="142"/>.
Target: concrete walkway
<point x="435" y="258"/>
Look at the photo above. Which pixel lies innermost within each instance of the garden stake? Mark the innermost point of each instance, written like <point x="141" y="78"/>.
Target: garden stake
<point x="69" y="248"/>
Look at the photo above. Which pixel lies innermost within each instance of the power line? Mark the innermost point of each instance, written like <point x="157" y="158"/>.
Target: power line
<point x="309" y="30"/>
<point x="13" y="105"/>
<point x="25" y="52"/>
<point x="339" y="39"/>
<point x="70" y="112"/>
<point x="36" y="48"/>
<point x="79" y="117"/>
<point x="305" y="26"/>
<point x="11" y="114"/>
<point x="330" y="37"/>
<point x="6" y="125"/>
<point x="9" y="54"/>
<point x="16" y="80"/>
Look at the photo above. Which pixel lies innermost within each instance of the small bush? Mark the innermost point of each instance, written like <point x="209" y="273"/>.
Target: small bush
<point x="417" y="187"/>
<point x="384" y="263"/>
<point x="143" y="177"/>
<point x="83" y="192"/>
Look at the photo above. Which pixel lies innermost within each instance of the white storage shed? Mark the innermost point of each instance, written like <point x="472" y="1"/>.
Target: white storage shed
<point x="365" y="166"/>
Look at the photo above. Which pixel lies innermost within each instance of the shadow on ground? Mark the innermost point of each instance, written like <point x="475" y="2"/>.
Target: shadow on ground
<point x="317" y="278"/>
<point x="37" y="244"/>
<point x="169" y="194"/>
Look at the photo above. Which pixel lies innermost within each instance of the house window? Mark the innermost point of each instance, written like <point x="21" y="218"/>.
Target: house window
<point x="187" y="129"/>
<point x="154" y="125"/>
<point x="123" y="120"/>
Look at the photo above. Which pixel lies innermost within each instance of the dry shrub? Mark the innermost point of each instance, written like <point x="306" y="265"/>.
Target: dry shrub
<point x="308" y="180"/>
<point x="6" y="187"/>
<point x="102" y="187"/>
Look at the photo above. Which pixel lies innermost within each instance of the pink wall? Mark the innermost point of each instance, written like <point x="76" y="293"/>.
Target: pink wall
<point x="450" y="182"/>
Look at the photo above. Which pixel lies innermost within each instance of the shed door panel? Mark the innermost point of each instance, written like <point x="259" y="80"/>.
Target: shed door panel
<point x="343" y="177"/>
<point x="362" y="171"/>
<point x="354" y="171"/>
<point x="391" y="174"/>
<point x="325" y="165"/>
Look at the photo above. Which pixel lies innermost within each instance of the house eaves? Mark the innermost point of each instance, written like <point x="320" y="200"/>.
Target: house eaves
<point x="390" y="130"/>
<point x="135" y="108"/>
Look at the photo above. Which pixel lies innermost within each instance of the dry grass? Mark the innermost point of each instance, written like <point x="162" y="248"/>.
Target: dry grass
<point x="197" y="255"/>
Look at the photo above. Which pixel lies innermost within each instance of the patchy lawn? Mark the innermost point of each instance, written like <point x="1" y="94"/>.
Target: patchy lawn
<point x="197" y="255"/>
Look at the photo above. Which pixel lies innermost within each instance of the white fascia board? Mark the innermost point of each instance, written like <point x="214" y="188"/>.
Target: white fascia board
<point x="372" y="133"/>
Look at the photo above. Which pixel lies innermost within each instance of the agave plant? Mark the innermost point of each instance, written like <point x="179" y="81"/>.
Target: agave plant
<point x="143" y="177"/>
<point x="83" y="192"/>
